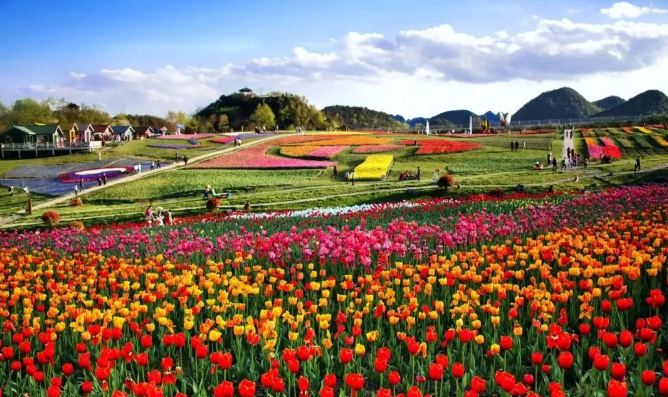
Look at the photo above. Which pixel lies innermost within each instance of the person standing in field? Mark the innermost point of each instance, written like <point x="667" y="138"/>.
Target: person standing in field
<point x="185" y="160"/>
<point x="81" y="185"/>
<point x="418" y="174"/>
<point x="353" y="176"/>
<point x="99" y="180"/>
<point x="335" y="172"/>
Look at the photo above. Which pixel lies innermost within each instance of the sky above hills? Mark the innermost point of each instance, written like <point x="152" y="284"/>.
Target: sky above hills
<point x="414" y="58"/>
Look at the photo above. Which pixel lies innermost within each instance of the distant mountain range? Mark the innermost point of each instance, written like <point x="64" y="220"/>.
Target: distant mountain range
<point x="609" y="102"/>
<point x="361" y="117"/>
<point x="562" y="103"/>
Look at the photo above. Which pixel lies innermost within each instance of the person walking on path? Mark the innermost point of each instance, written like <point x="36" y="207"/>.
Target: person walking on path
<point x="185" y="160"/>
<point x="104" y="179"/>
<point x="76" y="190"/>
<point x="353" y="177"/>
<point x="636" y="166"/>
<point x="418" y="174"/>
<point x="554" y="164"/>
<point x="152" y="165"/>
<point x="139" y="168"/>
<point x="524" y="145"/>
<point x="563" y="164"/>
<point x="335" y="171"/>
<point x="99" y="180"/>
<point x="157" y="163"/>
<point x="81" y="185"/>
<point x="347" y="175"/>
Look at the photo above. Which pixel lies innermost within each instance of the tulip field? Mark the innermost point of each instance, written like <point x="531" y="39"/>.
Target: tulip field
<point x="487" y="295"/>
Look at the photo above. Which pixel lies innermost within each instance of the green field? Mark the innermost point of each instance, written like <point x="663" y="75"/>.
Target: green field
<point x="477" y="171"/>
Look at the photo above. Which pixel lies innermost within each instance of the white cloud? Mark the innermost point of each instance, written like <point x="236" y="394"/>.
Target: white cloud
<point x="552" y="52"/>
<point x="625" y="10"/>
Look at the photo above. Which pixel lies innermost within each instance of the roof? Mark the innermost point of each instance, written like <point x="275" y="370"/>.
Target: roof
<point x="100" y="127"/>
<point x="84" y="127"/>
<point x="20" y="128"/>
<point x="143" y="129"/>
<point x="245" y="89"/>
<point x="68" y="126"/>
<point x="121" y="129"/>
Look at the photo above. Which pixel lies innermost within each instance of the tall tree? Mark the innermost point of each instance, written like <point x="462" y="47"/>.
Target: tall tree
<point x="29" y="111"/>
<point x="263" y="116"/>
<point x="4" y="116"/>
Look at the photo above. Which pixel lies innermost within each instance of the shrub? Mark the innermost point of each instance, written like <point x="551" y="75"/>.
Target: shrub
<point x="77" y="225"/>
<point x="51" y="218"/>
<point x="212" y="204"/>
<point x="446" y="181"/>
<point x="496" y="193"/>
<point x="76" y="202"/>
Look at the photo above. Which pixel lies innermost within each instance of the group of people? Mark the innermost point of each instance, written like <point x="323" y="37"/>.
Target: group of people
<point x="160" y="216"/>
<point x="410" y="176"/>
<point x="351" y="176"/>
<point x="515" y="146"/>
<point x="155" y="164"/>
<point x="11" y="190"/>
<point x="137" y="168"/>
<point x="102" y="179"/>
<point x="237" y="141"/>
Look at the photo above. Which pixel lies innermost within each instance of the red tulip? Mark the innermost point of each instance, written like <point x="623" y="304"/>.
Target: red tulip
<point x="594" y="352"/>
<point x="663" y="386"/>
<point x="326" y="392"/>
<point x="618" y="371"/>
<point x="303" y="383"/>
<point x="380" y="365"/>
<point x="68" y="369"/>
<point x="665" y="367"/>
<point x="355" y="381"/>
<point x="278" y="385"/>
<point x="610" y="340"/>
<point x="506" y="342"/>
<point x="565" y="360"/>
<point x="146" y="341"/>
<point x="247" y="388"/>
<point x="435" y="371"/>
<point x="394" y="378"/>
<point x="53" y="391"/>
<point x="293" y="366"/>
<point x="626" y="338"/>
<point x="330" y="380"/>
<point x="585" y="329"/>
<point x="414" y="392"/>
<point x="458" y="370"/>
<point x="478" y="384"/>
<point x="640" y="349"/>
<point x="648" y="377"/>
<point x="601" y="362"/>
<point x="537" y="358"/>
<point x="384" y="353"/>
<point x="86" y="387"/>
<point x="346" y="355"/>
<point x="384" y="393"/>
<point x="528" y="379"/>
<point x="225" y="389"/>
<point x="617" y="389"/>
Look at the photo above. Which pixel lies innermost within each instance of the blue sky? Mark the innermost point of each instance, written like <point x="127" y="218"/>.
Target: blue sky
<point x="416" y="58"/>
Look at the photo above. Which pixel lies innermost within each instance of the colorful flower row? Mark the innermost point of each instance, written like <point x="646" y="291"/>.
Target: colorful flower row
<point x="661" y="141"/>
<point x="643" y="129"/>
<point x="168" y="146"/>
<point x="259" y="160"/>
<point x="367" y="149"/>
<point x="375" y="167"/>
<point x="223" y="140"/>
<point x="628" y="130"/>
<point x="350" y="141"/>
<point x="326" y="152"/>
<point x="610" y="149"/>
<point x="595" y="151"/>
<point x="187" y="136"/>
<point x="581" y="306"/>
<point x="92" y="175"/>
<point x="441" y="146"/>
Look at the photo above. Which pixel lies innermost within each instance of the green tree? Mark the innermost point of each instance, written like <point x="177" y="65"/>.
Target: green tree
<point x="121" y="119"/>
<point x="263" y="116"/>
<point x="4" y="116"/>
<point x="29" y="111"/>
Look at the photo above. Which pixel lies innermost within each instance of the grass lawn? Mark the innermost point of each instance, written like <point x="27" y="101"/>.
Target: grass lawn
<point x="478" y="171"/>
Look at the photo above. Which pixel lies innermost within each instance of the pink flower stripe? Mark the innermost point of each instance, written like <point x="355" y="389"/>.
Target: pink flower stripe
<point x="366" y="149"/>
<point x="326" y="152"/>
<point x="256" y="158"/>
<point x="611" y="149"/>
<point x="223" y="140"/>
<point x="184" y="137"/>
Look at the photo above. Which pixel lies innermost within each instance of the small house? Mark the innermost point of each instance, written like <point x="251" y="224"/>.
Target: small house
<point x="102" y="132"/>
<point x="122" y="133"/>
<point x="71" y="131"/>
<point x="161" y="131"/>
<point x="143" y="132"/>
<point x="246" y="91"/>
<point x="32" y="135"/>
<point x="85" y="132"/>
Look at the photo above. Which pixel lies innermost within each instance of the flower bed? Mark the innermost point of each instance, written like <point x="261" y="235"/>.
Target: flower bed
<point x="350" y="141"/>
<point x="223" y="140"/>
<point x="168" y="146"/>
<point x="441" y="146"/>
<point x="184" y="137"/>
<point x="297" y="151"/>
<point x="252" y="135"/>
<point x="256" y="158"/>
<point x="92" y="175"/>
<point x="476" y="298"/>
<point x="367" y="149"/>
<point x="628" y="130"/>
<point x="302" y="139"/>
<point x="610" y="149"/>
<point x="661" y="141"/>
<point x="375" y="167"/>
<point x="595" y="151"/>
<point x="643" y="129"/>
<point x="326" y="152"/>
<point x="585" y="132"/>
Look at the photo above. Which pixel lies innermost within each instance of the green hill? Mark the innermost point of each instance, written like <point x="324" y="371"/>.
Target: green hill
<point x="609" y="102"/>
<point x="460" y="117"/>
<point x="355" y="117"/>
<point x="558" y="104"/>
<point x="648" y="103"/>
